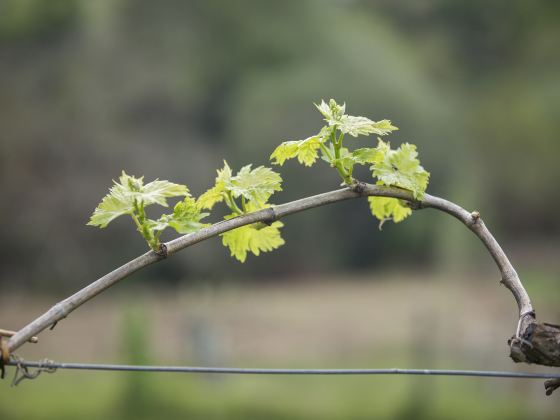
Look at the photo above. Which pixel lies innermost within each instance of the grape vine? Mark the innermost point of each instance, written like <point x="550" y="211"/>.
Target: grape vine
<point x="252" y="224"/>
<point x="250" y="189"/>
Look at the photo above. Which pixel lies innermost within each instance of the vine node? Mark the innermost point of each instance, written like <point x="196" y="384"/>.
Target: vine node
<point x="358" y="187"/>
<point x="161" y="251"/>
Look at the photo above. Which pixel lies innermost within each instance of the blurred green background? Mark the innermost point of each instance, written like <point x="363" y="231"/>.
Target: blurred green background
<point x="167" y="90"/>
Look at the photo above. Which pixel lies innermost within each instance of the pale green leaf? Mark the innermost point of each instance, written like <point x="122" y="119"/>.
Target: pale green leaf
<point x="389" y="208"/>
<point x="255" y="184"/>
<point x="384" y="127"/>
<point x="224" y="174"/>
<point x="131" y="191"/>
<point x="155" y="192"/>
<point x="186" y="217"/>
<point x="111" y="207"/>
<point x="356" y="126"/>
<point x="335" y="116"/>
<point x="359" y="156"/>
<point x="157" y="225"/>
<point x="400" y="168"/>
<point x="216" y="193"/>
<point x="211" y="197"/>
<point x="255" y="238"/>
<point x="365" y="155"/>
<point x="306" y="151"/>
<point x="286" y="150"/>
<point x="332" y="111"/>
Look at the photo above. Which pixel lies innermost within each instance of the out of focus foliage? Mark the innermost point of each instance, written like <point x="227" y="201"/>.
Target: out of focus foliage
<point x="169" y="89"/>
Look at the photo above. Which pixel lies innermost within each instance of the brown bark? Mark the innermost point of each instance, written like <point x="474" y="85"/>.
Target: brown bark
<point x="538" y="343"/>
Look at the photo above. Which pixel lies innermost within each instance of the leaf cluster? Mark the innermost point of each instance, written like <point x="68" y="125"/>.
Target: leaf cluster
<point x="392" y="167"/>
<point x="250" y="188"/>
<point x="130" y="196"/>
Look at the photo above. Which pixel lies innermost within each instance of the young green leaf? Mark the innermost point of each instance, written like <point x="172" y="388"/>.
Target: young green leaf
<point x="185" y="219"/>
<point x="211" y="197"/>
<point x="335" y="116"/>
<point x="332" y="111"/>
<point x="362" y="126"/>
<point x="306" y="151"/>
<point x="152" y="226"/>
<point x="365" y="155"/>
<point x="130" y="196"/>
<point x="400" y="168"/>
<point x="256" y="185"/>
<point x="255" y="238"/>
<point x="253" y="184"/>
<point x="359" y="156"/>
<point x="130" y="192"/>
<point x="112" y="206"/>
<point x="154" y="192"/>
<point x="389" y="208"/>
<point x="216" y="193"/>
<point x="286" y="150"/>
<point x="330" y="141"/>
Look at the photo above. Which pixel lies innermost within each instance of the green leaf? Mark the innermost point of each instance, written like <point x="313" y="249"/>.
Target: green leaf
<point x="224" y="174"/>
<point x="185" y="218"/>
<point x="356" y="126"/>
<point x="335" y="116"/>
<point x="255" y="184"/>
<point x="386" y="207"/>
<point x="215" y="194"/>
<point x="306" y="151"/>
<point x="155" y="225"/>
<point x="384" y="127"/>
<point x="359" y="156"/>
<point x="332" y="111"/>
<point x="154" y="192"/>
<point x="255" y="238"/>
<point x="400" y="168"/>
<point x="111" y="207"/>
<point x="131" y="191"/>
<point x="286" y="150"/>
<point x="211" y="197"/>
<point x="365" y="155"/>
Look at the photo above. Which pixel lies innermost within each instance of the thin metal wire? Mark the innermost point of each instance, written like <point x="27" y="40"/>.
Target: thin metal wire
<point x="267" y="371"/>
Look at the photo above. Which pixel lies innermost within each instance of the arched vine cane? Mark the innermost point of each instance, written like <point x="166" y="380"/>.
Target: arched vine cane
<point x="532" y="342"/>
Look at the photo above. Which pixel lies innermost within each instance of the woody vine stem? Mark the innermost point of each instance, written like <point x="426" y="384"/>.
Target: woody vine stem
<point x="254" y="227"/>
<point x="472" y="220"/>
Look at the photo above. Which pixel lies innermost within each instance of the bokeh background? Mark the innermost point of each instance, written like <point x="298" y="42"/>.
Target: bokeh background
<point x="168" y="90"/>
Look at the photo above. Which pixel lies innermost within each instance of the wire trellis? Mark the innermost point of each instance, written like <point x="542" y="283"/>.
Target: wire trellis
<point x="23" y="372"/>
